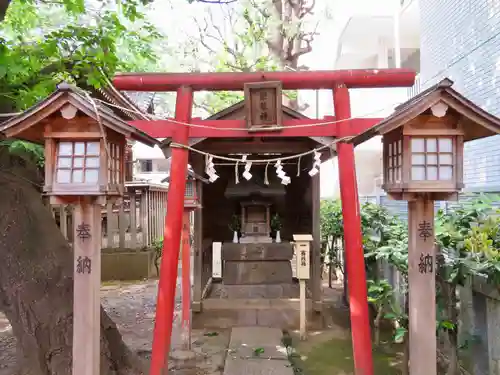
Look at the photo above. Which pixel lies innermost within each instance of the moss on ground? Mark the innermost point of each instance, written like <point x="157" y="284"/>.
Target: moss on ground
<point x="334" y="357"/>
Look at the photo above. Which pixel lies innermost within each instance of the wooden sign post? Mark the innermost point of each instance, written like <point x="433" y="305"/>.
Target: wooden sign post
<point x="87" y="285"/>
<point x="301" y="243"/>
<point x="422" y="287"/>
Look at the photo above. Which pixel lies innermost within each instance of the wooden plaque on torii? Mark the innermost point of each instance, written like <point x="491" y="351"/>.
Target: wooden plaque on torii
<point x="263" y="106"/>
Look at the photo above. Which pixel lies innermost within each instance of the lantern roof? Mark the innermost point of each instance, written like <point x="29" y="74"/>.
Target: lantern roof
<point x="477" y="123"/>
<point x="17" y="126"/>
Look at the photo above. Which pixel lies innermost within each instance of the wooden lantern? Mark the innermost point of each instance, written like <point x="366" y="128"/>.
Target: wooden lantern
<point x="424" y="155"/>
<point x="84" y="143"/>
<point x="84" y="164"/>
<point x="423" y="144"/>
<point x="192" y="193"/>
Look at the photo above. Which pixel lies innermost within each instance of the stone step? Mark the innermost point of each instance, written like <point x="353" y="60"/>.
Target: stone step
<point x="223" y="291"/>
<point x="253" y="303"/>
<point x="275" y="317"/>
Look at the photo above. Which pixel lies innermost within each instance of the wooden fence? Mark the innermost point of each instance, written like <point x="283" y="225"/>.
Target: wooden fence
<point x="134" y="223"/>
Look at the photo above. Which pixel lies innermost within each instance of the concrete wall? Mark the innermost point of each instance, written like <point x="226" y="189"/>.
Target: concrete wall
<point x="127" y="264"/>
<point x="459" y="39"/>
<point x="479" y="327"/>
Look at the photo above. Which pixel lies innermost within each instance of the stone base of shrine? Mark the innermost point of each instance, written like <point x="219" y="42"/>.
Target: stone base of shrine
<point x="257" y="263"/>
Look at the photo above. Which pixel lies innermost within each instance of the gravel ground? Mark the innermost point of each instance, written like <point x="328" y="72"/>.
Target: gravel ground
<point x="132" y="307"/>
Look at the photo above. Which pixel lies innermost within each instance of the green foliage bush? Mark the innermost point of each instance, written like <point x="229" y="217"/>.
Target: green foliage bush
<point x="468" y="243"/>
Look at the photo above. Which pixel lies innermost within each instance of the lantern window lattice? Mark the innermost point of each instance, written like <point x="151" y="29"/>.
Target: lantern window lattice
<point x="189" y="189"/>
<point x="114" y="163"/>
<point x="395" y="161"/>
<point x="77" y="162"/>
<point x="432" y="159"/>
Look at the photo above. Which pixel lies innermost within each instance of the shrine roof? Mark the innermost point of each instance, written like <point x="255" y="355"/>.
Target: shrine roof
<point x="241" y="105"/>
<point x="237" y="111"/>
<point x="64" y="94"/>
<point x="128" y="107"/>
<point x="477" y="122"/>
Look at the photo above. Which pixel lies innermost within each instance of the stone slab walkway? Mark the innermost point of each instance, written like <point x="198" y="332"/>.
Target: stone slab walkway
<point x="257" y="351"/>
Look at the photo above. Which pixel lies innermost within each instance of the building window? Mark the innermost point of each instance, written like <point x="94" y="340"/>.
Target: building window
<point x="431" y="159"/>
<point x="395" y="161"/>
<point x="78" y="163"/>
<point x="146" y="165"/>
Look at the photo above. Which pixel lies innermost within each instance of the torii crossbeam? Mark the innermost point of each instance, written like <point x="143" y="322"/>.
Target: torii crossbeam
<point x="185" y="84"/>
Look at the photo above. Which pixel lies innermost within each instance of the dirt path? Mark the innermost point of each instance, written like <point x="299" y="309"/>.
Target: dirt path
<point x="132" y="308"/>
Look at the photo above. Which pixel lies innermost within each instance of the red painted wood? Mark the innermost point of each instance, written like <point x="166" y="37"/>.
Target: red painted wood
<point x="355" y="261"/>
<point x="166" y="128"/>
<point x="186" y="282"/>
<point x="171" y="239"/>
<point x="312" y="80"/>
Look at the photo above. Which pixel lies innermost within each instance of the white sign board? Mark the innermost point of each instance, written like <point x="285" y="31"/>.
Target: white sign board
<point x="302" y="260"/>
<point x="217" y="260"/>
<point x="302" y="257"/>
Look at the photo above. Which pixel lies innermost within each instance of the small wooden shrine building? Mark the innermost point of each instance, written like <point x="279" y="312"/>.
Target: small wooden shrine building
<point x="257" y="268"/>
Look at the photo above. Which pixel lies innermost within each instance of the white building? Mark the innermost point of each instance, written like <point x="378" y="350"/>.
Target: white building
<point x="150" y="164"/>
<point x="377" y="35"/>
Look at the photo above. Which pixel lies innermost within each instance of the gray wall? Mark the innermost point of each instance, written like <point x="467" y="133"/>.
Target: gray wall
<point x="464" y="35"/>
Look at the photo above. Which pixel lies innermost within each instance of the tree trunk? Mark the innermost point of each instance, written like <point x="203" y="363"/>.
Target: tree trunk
<point x="376" y="325"/>
<point x="4" y="5"/>
<point x="36" y="281"/>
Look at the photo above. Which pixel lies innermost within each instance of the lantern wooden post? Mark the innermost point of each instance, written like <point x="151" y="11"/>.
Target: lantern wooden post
<point x="422" y="286"/>
<point x="87" y="282"/>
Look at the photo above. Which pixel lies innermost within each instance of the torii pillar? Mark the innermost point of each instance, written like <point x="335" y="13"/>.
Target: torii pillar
<point x="354" y="254"/>
<point x="172" y="236"/>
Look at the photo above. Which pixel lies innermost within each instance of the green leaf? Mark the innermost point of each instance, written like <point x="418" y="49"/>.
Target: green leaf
<point x="211" y="334"/>
<point x="258" y="351"/>
<point x="399" y="333"/>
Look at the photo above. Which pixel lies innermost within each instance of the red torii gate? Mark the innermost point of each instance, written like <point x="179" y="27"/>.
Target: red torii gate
<point x="185" y="84"/>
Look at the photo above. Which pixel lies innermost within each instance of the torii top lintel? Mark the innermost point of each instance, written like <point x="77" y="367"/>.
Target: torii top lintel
<point x="290" y="80"/>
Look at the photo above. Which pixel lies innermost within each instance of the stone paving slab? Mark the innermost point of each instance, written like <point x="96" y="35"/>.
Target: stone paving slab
<point x="271" y="358"/>
<point x="257" y="367"/>
<point x="255" y="336"/>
